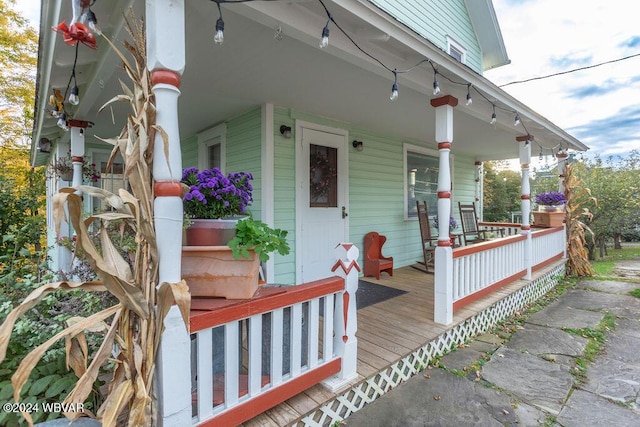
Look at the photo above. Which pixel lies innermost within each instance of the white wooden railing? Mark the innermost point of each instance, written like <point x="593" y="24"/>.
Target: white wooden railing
<point x="248" y="356"/>
<point x="548" y="245"/>
<point x="478" y="269"/>
<point x="508" y="229"/>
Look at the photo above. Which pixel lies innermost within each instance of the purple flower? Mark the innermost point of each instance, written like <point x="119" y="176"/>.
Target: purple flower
<point x="551" y="198"/>
<point x="214" y="195"/>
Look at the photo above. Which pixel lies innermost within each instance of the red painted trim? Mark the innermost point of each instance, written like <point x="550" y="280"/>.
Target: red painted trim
<point x="240" y="309"/>
<point x="547" y="262"/>
<point x="444" y="145"/>
<point x="524" y="166"/>
<point x="562" y="155"/>
<point x="273" y="397"/>
<point x="444" y="243"/>
<point x="165" y="76"/>
<point x="525" y="197"/>
<point x="77" y="159"/>
<point x="544" y="231"/>
<point x="73" y="123"/>
<point x="478" y="163"/>
<point x="485" y="246"/>
<point x="523" y="138"/>
<point x="444" y="100"/>
<point x="499" y="224"/>
<point x="345" y="314"/>
<point x="345" y="268"/>
<point x="167" y="189"/>
<point x="444" y="194"/>
<point x="525" y="227"/>
<point x="486" y="291"/>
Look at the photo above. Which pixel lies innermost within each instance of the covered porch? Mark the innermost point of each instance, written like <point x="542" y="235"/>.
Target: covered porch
<point x="395" y="338"/>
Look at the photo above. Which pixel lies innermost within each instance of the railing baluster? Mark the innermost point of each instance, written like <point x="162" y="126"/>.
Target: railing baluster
<point x="276" y="346"/>
<point x="327" y="328"/>
<point x="204" y="372"/>
<point x="296" y="339"/>
<point x="312" y="332"/>
<point x="254" y="338"/>
<point x="231" y="362"/>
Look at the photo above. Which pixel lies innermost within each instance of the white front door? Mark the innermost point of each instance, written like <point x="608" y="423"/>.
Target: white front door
<point x="322" y="205"/>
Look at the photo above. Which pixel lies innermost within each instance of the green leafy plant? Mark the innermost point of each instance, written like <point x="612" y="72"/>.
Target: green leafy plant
<point x="256" y="235"/>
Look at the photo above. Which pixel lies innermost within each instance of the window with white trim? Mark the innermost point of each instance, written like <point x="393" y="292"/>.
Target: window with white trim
<point x="421" y="167"/>
<point x="211" y="147"/>
<point x="456" y="50"/>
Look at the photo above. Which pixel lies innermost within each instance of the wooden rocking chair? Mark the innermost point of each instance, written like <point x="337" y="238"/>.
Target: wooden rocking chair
<point x="429" y="242"/>
<point x="471" y="232"/>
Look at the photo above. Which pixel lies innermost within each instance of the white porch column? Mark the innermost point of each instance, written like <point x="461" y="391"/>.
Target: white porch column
<point x="562" y="165"/>
<point x="165" y="20"/>
<point x="524" y="142"/>
<point x="443" y="276"/>
<point x="76" y="129"/>
<point x="345" y="319"/>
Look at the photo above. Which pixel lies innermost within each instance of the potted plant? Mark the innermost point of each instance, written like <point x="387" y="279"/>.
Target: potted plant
<point x="452" y="226"/>
<point x="228" y="265"/>
<point x="63" y="167"/>
<point x="213" y="203"/>
<point x="552" y="212"/>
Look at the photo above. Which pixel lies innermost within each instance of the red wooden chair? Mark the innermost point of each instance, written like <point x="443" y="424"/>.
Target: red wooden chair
<point x="374" y="261"/>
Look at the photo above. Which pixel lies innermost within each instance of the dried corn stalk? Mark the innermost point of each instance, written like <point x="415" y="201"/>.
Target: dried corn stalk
<point x="578" y="197"/>
<point x="137" y="320"/>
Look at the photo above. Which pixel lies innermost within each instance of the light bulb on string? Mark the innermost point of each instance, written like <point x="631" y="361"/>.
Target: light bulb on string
<point x="324" y="41"/>
<point x="219" y="37"/>
<point x="74" y="99"/>
<point x="540" y="157"/>
<point x="469" y="99"/>
<point x="436" y="86"/>
<point x="517" y="120"/>
<point x="62" y="121"/>
<point x="494" y="118"/>
<point x="394" y="88"/>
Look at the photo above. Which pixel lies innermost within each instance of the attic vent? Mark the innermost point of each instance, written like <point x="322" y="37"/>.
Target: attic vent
<point x="456" y="50"/>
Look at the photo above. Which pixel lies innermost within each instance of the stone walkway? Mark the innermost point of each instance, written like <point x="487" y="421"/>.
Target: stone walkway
<point x="533" y="377"/>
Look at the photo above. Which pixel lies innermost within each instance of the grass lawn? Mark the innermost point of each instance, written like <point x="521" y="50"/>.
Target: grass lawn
<point x="604" y="266"/>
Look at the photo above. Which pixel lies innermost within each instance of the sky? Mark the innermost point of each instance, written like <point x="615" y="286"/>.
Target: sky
<point x="600" y="106"/>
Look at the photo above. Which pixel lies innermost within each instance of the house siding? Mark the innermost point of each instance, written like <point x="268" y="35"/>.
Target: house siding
<point x="435" y="20"/>
<point x="376" y="183"/>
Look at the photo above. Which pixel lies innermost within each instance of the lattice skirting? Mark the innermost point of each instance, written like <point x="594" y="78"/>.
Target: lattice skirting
<point x="373" y="387"/>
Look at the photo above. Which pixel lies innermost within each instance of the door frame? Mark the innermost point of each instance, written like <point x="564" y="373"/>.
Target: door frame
<point x="301" y="168"/>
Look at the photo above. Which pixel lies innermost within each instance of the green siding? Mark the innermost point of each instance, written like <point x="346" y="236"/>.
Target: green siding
<point x="435" y="20"/>
<point x="189" y="150"/>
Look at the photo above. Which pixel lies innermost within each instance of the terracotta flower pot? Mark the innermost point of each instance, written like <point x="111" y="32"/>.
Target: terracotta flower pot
<point x="211" y="271"/>
<point x="210" y="232"/>
<point x="548" y="219"/>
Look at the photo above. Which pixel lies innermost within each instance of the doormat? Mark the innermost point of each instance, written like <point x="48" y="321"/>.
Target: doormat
<point x="371" y="293"/>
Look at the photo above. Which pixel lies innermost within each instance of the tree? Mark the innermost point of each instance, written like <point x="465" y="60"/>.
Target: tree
<point x="18" y="55"/>
<point x="502" y="189"/>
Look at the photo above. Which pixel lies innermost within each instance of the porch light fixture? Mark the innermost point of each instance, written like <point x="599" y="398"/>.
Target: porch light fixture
<point x="357" y="145"/>
<point x="285" y="131"/>
<point x="324" y="41"/>
<point x="219" y="37"/>
<point x="394" y="88"/>
<point x="436" y="86"/>
<point x="469" y="99"/>
<point x="44" y="145"/>
<point x="517" y="120"/>
<point x="494" y="118"/>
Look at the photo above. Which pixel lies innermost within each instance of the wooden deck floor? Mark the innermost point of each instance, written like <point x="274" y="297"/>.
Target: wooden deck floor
<point x="387" y="331"/>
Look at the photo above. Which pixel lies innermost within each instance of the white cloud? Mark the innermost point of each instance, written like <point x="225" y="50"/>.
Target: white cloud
<point x="549" y="36"/>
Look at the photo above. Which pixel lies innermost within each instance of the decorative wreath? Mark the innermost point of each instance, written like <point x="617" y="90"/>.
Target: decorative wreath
<point x="321" y="174"/>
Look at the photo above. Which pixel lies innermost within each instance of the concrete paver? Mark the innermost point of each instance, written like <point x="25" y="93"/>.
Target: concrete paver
<point x="527" y="380"/>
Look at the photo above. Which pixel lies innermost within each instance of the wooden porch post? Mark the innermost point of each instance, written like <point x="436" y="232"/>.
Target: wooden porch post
<point x="166" y="61"/>
<point x="443" y="269"/>
<point x="525" y="199"/>
<point x="345" y="319"/>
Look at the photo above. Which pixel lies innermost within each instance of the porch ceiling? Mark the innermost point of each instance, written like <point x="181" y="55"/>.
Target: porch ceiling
<point x="253" y="67"/>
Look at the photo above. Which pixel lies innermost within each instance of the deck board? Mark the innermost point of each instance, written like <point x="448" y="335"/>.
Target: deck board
<point x="387" y="331"/>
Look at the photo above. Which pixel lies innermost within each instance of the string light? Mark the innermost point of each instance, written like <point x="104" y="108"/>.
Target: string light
<point x="494" y="118"/>
<point x="394" y="88"/>
<point x="540" y="157"/>
<point x="469" y="99"/>
<point x="74" y="99"/>
<point x="62" y="122"/>
<point x="324" y="41"/>
<point x="219" y="37"/>
<point x="436" y="86"/>
<point x="517" y="120"/>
